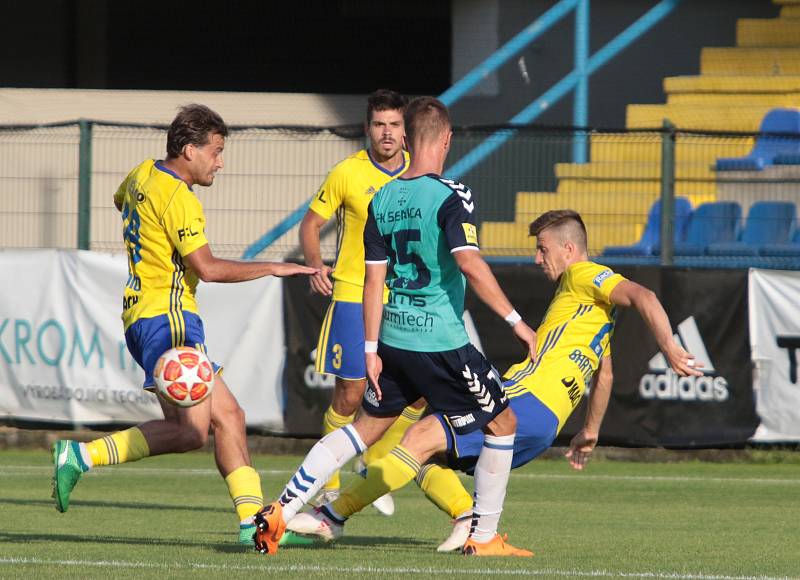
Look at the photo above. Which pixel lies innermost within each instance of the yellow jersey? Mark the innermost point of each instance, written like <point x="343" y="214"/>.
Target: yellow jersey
<point x="347" y="191"/>
<point x="573" y="337"/>
<point x="162" y="221"/>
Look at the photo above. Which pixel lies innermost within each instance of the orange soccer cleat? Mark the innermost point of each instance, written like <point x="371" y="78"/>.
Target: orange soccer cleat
<point x="497" y="546"/>
<point x="269" y="528"/>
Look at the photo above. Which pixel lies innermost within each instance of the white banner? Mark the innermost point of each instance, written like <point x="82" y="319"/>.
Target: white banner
<point x="774" y="304"/>
<point x="62" y="350"/>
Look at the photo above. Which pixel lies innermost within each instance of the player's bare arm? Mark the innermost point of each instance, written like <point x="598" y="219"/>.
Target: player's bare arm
<point x="483" y="282"/>
<point x="645" y="301"/>
<point x="373" y="311"/>
<point x="212" y="269"/>
<point x="582" y="445"/>
<point x="310" y="229"/>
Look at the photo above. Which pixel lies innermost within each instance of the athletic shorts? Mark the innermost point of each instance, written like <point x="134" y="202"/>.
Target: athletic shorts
<point x="537" y="427"/>
<point x="340" y="350"/>
<point x="149" y="338"/>
<point x="459" y="384"/>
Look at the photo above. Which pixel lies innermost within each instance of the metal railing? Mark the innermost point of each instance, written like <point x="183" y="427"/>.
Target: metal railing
<point x="57" y="182"/>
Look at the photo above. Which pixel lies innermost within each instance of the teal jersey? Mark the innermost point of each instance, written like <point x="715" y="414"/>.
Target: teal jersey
<point x="415" y="226"/>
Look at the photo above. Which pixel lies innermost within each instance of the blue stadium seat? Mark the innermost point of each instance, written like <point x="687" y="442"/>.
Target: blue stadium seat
<point x="769" y="147"/>
<point x="790" y="250"/>
<point x="768" y="223"/>
<point x="649" y="244"/>
<point x="710" y="223"/>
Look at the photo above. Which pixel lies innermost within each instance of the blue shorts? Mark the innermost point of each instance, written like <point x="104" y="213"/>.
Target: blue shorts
<point x="340" y="350"/>
<point x="149" y="338"/>
<point x="537" y="427"/>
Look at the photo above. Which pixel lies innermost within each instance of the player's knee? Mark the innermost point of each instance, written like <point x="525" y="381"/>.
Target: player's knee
<point x="231" y="417"/>
<point x="504" y="424"/>
<point x="192" y="438"/>
<point x="424" y="438"/>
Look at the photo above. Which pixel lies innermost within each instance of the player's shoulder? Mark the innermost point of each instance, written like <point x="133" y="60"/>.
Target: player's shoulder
<point x="586" y="273"/>
<point x="355" y="162"/>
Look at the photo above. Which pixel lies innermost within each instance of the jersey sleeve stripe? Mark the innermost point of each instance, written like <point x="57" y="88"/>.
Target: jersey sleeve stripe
<point x="462" y="248"/>
<point x="376" y="261"/>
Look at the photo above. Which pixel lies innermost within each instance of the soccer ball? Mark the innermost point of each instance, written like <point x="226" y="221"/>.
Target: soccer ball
<point x="184" y="376"/>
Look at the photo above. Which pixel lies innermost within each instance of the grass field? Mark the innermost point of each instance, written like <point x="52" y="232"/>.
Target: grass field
<point x="170" y="517"/>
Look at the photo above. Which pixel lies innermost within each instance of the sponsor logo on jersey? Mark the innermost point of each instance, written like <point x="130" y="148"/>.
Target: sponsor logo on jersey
<point x="187" y="232"/>
<point x="573" y="390"/>
<point x="663" y="384"/>
<point x="598" y="280"/>
<point x="370" y="191"/>
<point x="584" y="364"/>
<point x="411" y="322"/>
<point x="399" y="215"/>
<point x="470" y="233"/>
<point x="462" y="420"/>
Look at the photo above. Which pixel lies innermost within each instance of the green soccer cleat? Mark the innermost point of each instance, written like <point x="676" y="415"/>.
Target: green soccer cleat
<point x="69" y="467"/>
<point x="246" y="533"/>
<point x="289" y="538"/>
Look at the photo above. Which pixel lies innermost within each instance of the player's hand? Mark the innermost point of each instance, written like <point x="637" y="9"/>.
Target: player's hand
<point x="284" y="269"/>
<point x="682" y="362"/>
<point x="321" y="281"/>
<point x="580" y="448"/>
<point x="374" y="368"/>
<point x="526" y="336"/>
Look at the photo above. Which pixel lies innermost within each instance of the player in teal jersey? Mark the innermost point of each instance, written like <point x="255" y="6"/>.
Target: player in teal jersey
<point x="421" y="239"/>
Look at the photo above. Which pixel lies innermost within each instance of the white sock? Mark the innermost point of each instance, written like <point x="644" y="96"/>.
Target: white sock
<point x="328" y="454"/>
<point x="87" y="459"/>
<point x="491" y="479"/>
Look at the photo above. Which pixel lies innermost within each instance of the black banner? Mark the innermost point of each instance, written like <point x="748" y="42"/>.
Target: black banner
<point x="308" y="394"/>
<point x="650" y="406"/>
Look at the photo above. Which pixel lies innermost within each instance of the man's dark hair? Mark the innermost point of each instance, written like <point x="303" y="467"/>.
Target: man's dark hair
<point x="193" y="125"/>
<point x="567" y="220"/>
<point x="425" y="118"/>
<point x="385" y="100"/>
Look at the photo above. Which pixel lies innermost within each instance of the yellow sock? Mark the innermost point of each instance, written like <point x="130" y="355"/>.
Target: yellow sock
<point x="244" y="485"/>
<point x="119" y="447"/>
<point x="444" y="489"/>
<point x="387" y="474"/>
<point x="393" y="435"/>
<point x="331" y="422"/>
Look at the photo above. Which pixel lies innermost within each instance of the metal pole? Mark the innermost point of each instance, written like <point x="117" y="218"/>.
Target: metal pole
<point x="667" y="192"/>
<point x="84" y="184"/>
<point x="580" y="109"/>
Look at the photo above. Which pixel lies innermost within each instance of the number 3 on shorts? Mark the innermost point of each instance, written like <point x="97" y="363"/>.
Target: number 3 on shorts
<point x="337" y="356"/>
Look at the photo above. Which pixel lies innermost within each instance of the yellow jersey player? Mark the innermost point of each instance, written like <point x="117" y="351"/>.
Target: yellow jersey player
<point x="163" y="227"/>
<point x="572" y="350"/>
<point x="346" y="193"/>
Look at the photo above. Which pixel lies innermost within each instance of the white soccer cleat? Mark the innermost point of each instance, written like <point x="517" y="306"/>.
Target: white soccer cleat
<point x="459" y="535"/>
<point x="316" y="523"/>
<point x="384" y="504"/>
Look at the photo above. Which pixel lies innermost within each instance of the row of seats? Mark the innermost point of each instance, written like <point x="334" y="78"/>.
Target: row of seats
<point x="715" y="229"/>
<point x="778" y="145"/>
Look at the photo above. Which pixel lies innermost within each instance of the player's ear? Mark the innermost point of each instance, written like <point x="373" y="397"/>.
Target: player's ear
<point x="447" y="140"/>
<point x="188" y="152"/>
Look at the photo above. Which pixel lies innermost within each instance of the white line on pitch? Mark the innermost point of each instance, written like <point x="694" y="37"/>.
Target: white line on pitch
<point x="21" y="469"/>
<point x="271" y="567"/>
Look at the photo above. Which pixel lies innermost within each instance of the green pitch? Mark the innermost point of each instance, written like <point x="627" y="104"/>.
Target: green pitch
<point x="171" y="517"/>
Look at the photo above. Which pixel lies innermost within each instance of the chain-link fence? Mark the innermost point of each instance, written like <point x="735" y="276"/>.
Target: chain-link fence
<point x="717" y="179"/>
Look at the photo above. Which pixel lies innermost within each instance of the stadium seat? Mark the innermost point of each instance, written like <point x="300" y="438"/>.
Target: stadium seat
<point x="768" y="223"/>
<point x="790" y="250"/>
<point x="710" y="223"/>
<point x="769" y="147"/>
<point x="649" y="243"/>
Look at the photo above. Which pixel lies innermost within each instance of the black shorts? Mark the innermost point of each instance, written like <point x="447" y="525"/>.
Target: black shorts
<point x="460" y="384"/>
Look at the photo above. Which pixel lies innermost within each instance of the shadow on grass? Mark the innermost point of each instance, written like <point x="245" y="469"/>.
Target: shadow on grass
<point x="114" y="504"/>
<point x="50" y="537"/>
<point x="371" y="542"/>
